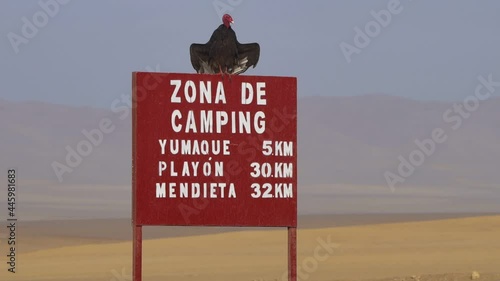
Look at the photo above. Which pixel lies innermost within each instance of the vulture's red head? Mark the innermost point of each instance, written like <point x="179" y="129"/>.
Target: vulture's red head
<point x="227" y="20"/>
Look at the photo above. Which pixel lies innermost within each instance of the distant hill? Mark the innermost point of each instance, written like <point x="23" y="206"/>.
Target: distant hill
<point x="356" y="139"/>
<point x="347" y="142"/>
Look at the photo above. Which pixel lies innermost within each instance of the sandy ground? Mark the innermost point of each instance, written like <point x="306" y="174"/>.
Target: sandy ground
<point x="448" y="249"/>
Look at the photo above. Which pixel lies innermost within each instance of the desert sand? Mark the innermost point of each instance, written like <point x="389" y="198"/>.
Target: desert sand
<point x="444" y="249"/>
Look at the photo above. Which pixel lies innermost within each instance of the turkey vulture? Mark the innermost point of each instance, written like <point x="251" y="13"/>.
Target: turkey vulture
<point x="223" y="53"/>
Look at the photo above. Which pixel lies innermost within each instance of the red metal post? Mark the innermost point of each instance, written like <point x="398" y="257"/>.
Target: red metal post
<point x="137" y="253"/>
<point x="292" y="254"/>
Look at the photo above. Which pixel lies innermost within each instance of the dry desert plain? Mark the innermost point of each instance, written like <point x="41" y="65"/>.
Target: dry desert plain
<point x="329" y="248"/>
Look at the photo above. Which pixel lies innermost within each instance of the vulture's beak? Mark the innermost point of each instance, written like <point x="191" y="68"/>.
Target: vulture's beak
<point x="232" y="22"/>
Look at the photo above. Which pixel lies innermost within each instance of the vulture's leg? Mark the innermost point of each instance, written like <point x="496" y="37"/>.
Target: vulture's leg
<point x="228" y="74"/>
<point x="220" y="71"/>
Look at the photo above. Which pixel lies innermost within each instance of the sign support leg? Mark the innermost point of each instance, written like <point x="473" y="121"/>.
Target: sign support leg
<point x="292" y="254"/>
<point x="137" y="253"/>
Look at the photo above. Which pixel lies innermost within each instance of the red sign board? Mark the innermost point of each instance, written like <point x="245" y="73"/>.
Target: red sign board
<point x="215" y="151"/>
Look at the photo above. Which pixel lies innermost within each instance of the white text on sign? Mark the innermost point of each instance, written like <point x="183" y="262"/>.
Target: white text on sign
<point x="188" y="120"/>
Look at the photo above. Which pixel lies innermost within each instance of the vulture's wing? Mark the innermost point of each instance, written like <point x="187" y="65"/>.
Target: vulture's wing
<point x="199" y="57"/>
<point x="248" y="55"/>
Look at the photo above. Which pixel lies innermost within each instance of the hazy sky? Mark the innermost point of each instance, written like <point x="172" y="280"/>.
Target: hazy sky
<point x="85" y="53"/>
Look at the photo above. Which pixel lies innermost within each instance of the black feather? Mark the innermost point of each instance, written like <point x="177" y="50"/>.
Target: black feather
<point x="224" y="52"/>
